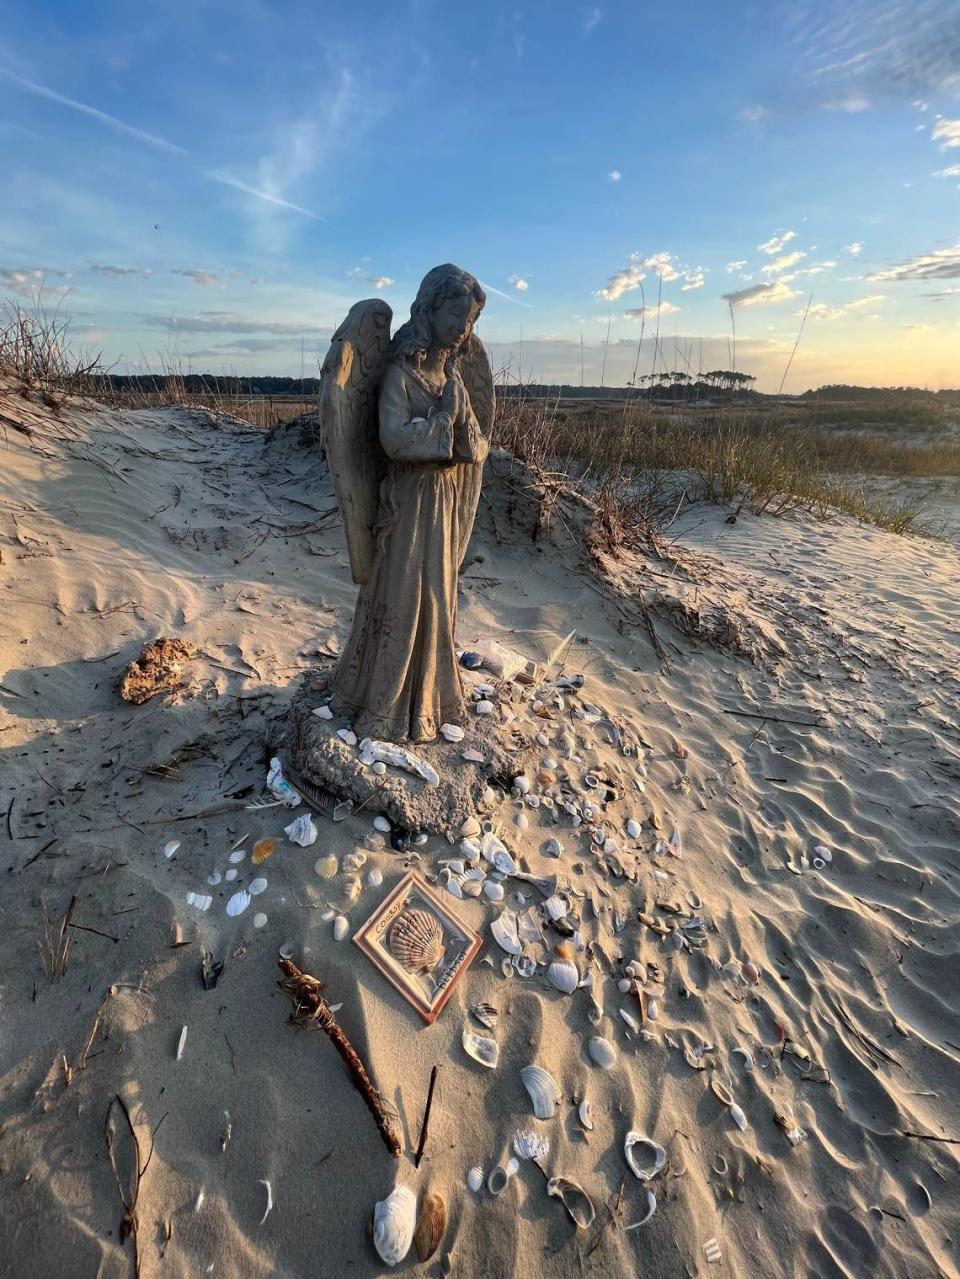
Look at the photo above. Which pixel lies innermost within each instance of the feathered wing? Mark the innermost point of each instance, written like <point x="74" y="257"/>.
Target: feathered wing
<point x="349" y="391"/>
<point x="478" y="379"/>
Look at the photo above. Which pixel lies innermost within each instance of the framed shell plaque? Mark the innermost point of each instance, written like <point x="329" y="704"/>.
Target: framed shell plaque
<point x="419" y="944"/>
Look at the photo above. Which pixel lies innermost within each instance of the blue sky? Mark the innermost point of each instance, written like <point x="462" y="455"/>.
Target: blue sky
<point x="218" y="182"/>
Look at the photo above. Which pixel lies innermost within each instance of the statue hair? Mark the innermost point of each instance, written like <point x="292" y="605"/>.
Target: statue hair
<point x="413" y="339"/>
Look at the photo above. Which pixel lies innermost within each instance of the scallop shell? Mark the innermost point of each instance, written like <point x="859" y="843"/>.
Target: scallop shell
<point x="451" y="732"/>
<point x="431" y="1224"/>
<point x="201" y="901"/>
<point x="352" y="889"/>
<point x="326" y="867"/>
<point x="263" y="849"/>
<point x="602" y="1052"/>
<point x="374" y="877"/>
<point x="530" y="1145"/>
<point x="575" y="1199"/>
<point x="543" y="1090"/>
<point x="563" y="975"/>
<point x="645" y="1156"/>
<point x="482" y="1050"/>
<point x="416" y="938"/>
<point x="238" y="903"/>
<point x="475" y="1180"/>
<point x="394" y="1219"/>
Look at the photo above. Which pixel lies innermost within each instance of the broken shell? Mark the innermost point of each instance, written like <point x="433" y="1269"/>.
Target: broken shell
<point x="530" y="1145"/>
<point x="416" y="938"/>
<point x="630" y="1020"/>
<point x="543" y="1090"/>
<point x="721" y="1092"/>
<point x="555" y="907"/>
<point x="347" y="736"/>
<point x="472" y="756"/>
<point x="342" y="810"/>
<point x="286" y="951"/>
<point x="493" y="890"/>
<point x="651" y="1209"/>
<point x="602" y="1052"/>
<point x="823" y="853"/>
<point x="499" y="1176"/>
<point x="521" y="821"/>
<point x="738" y="1117"/>
<point x="482" y="1050"/>
<point x="563" y="975"/>
<point x="171" y="848"/>
<point x="394" y="1219"/>
<point x="374" y="842"/>
<point x="374" y="877"/>
<point x="484" y="708"/>
<point x="553" y="848"/>
<point x="231" y="875"/>
<point x="521" y="784"/>
<point x="475" y="1180"/>
<point x="322" y="712"/>
<point x="585" y="1111"/>
<point x="744" y="1055"/>
<point x="353" y="861"/>
<point x="504" y="930"/>
<point x="575" y="1199"/>
<point x="645" y="1157"/>
<point x="352" y="889"/>
<point x="634" y="828"/>
<point x="238" y="903"/>
<point x="303" y="831"/>
<point x="471" y="828"/>
<point x="340" y="927"/>
<point x="256" y="886"/>
<point x="431" y="1224"/>
<point x="486" y="1014"/>
<point x="326" y="867"/>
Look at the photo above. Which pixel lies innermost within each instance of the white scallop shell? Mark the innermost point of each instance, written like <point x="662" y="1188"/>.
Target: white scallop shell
<point x="340" y="926"/>
<point x="563" y="975"/>
<point x="484" y="708"/>
<point x="352" y="889"/>
<point x="452" y="732"/>
<point x="645" y="1157"/>
<point x="214" y="877"/>
<point x="482" y="1050"/>
<point x="326" y="867"/>
<point x="394" y="1219"/>
<point x="374" y="877"/>
<point x="238" y="903"/>
<point x="471" y="887"/>
<point x="237" y="856"/>
<point x="530" y="1145"/>
<point x="602" y="1052"/>
<point x="543" y="1089"/>
<point x="256" y="886"/>
<point x="475" y="1180"/>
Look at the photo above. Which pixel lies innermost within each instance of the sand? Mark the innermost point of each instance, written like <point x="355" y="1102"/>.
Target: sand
<point x="118" y="527"/>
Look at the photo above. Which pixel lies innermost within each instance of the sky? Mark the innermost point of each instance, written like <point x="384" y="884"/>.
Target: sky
<point x="638" y="186"/>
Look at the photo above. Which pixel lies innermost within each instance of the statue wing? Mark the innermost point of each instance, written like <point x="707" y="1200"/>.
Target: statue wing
<point x="478" y="379"/>
<point x="349" y="391"/>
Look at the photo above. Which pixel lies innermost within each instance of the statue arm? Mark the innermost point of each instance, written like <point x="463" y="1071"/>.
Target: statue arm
<point x="469" y="442"/>
<point x="411" y="439"/>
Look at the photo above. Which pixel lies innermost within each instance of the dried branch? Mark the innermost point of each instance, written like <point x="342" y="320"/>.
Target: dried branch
<point x="129" y="1225"/>
<point x="421" y="1144"/>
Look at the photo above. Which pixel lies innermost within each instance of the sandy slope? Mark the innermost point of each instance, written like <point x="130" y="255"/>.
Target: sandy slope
<point x="118" y="527"/>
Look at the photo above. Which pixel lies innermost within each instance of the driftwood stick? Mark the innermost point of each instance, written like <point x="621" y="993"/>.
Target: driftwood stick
<point x="311" y="1009"/>
<point x="421" y="1144"/>
<point x="773" y="719"/>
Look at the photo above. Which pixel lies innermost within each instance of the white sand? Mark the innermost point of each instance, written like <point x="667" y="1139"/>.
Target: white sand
<point x="118" y="527"/>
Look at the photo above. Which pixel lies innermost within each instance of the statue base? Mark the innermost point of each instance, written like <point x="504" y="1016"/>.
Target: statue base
<point x="316" y="756"/>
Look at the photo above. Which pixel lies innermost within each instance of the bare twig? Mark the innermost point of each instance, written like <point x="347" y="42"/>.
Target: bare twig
<point x="421" y="1144"/>
<point x="129" y="1225"/>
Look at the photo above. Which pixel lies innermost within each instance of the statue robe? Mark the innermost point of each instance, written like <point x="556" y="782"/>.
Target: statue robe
<point x="398" y="677"/>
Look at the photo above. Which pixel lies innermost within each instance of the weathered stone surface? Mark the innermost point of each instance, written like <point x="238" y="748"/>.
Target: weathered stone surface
<point x="317" y="755"/>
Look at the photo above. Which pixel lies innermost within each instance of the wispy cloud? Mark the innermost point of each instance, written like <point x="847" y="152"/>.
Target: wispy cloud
<point x="783" y="263"/>
<point x="942" y="264"/>
<point x="228" y="322"/>
<point x="198" y="275"/>
<point x="820" y="311"/>
<point x="947" y="133"/>
<point x="651" y="312"/>
<point x="120" y="272"/>
<point x="776" y="242"/>
<point x="761" y="294"/>
<point x="854" y="249"/>
<point x="872" y="299"/>
<point x="853" y="103"/>
<point x="952" y="172"/>
<point x="738" y="265"/>
<point x="491" y="288"/>
<point x="591" y="18"/>
<point x="380" y="281"/>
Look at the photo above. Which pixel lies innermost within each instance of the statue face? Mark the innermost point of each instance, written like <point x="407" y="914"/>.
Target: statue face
<point x="453" y="320"/>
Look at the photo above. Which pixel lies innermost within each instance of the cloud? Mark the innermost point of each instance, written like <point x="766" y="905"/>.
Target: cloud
<point x="952" y="172"/>
<point x="853" y="103"/>
<point x="591" y="17"/>
<point x="693" y="278"/>
<point x="651" y="312"/>
<point x="947" y="133"/>
<point x="120" y="272"/>
<point x="854" y="249"/>
<point x="29" y="281"/>
<point x="754" y="113"/>
<point x="783" y="263"/>
<point x="228" y="180"/>
<point x="815" y="268"/>
<point x="229" y="322"/>
<point x="761" y="294"/>
<point x="917" y="328"/>
<point x="614" y="175"/>
<point x="871" y="300"/>
<point x="942" y="264"/>
<point x="820" y="311"/>
<point x="198" y="275"/>
<point x="622" y="281"/>
<point x="941" y="294"/>
<point x="492" y="288"/>
<point x="776" y="242"/>
<point x="662" y="264"/>
<point x="736" y="266"/>
<point x="380" y="281"/>
<point x="518" y="282"/>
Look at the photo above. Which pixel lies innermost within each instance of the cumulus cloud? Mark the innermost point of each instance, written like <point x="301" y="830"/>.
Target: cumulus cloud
<point x="942" y="264"/>
<point x="662" y="264"/>
<point x="693" y="278"/>
<point x="815" y="268"/>
<point x="518" y="282"/>
<point x="947" y="133"/>
<point x="783" y="263"/>
<point x="761" y="294"/>
<point x="614" y="175"/>
<point x="651" y="312"/>
<point x="380" y="281"/>
<point x="28" y="281"/>
<point x="628" y="277"/>
<point x="120" y="272"/>
<point x="736" y="266"/>
<point x="228" y="322"/>
<point x="754" y="113"/>
<point x="776" y="242"/>
<point x="198" y="275"/>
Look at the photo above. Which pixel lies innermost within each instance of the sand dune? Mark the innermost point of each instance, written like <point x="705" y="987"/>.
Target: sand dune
<point x="117" y="527"/>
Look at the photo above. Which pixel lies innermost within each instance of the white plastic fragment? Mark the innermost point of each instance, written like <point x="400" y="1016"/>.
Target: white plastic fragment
<point x="279" y="787"/>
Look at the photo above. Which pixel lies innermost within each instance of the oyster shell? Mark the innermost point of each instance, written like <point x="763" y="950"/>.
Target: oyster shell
<point x="543" y="1089"/>
<point x="302" y="831"/>
<point x="482" y="1050"/>
<point x="602" y="1052"/>
<point x="563" y="975"/>
<point x="394" y="1219"/>
<point x="416" y="939"/>
<point x="575" y="1199"/>
<point x="431" y="1224"/>
<point x="645" y="1157"/>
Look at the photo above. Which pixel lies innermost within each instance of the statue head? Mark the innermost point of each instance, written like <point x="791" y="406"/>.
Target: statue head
<point x="444" y="312"/>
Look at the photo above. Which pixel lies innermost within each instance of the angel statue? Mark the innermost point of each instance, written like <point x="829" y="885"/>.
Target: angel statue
<point x="406" y="427"/>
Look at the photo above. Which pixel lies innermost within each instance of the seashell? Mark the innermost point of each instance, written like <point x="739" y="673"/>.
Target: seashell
<point x="585" y="1111"/>
<point x="721" y="1092"/>
<point x="821" y="851"/>
<point x="340" y="927"/>
<point x="522" y="784"/>
<point x="530" y="1145"/>
<point x="374" y="877"/>
<point x="237" y="856"/>
<point x="394" y="1219"/>
<point x="634" y="829"/>
<point x="504" y="930"/>
<point x="378" y="768"/>
<point x="482" y="1050"/>
<point x="353" y="862"/>
<point x="738" y="1117"/>
<point x="199" y="901"/>
<point x="420" y="838"/>
<point x="524" y="965"/>
<point x="645" y="1157"/>
<point x="453" y="888"/>
<point x="256" y="886"/>
<point x="374" y="842"/>
<point x="171" y="848"/>
<point x="342" y="810"/>
<point x="543" y="1090"/>
<point x="380" y="823"/>
<point x="575" y="1199"/>
<point x="322" y="712"/>
<point x="263" y="849"/>
<point x="472" y="756"/>
<point x="653" y="1009"/>
<point x="471" y="887"/>
<point x="521" y="821"/>
<point x="451" y="732"/>
<point x="555" y="907"/>
<point x="750" y="973"/>
<point x="328" y="914"/>
<point x="260" y="920"/>
<point x="431" y="1223"/>
<point x="651" y="1209"/>
<point x="499" y="1176"/>
<point x="744" y="1055"/>
<point x="303" y="831"/>
<point x="231" y="875"/>
<point x="470" y="828"/>
<point x="493" y="890"/>
<point x="475" y="1180"/>
<point x="416" y="938"/>
<point x="352" y="890"/>
<point x="238" y="903"/>
<point x="564" y="976"/>
<point x="532" y="801"/>
<point x="711" y="1250"/>
<point x="286" y="951"/>
<point x="486" y="1014"/>
<point x="214" y="878"/>
<point x="347" y="735"/>
<point x="484" y="707"/>
<point x="602" y="1052"/>
<point x="630" y="1020"/>
<point x="386" y="752"/>
<point x="326" y="867"/>
<point x="553" y="848"/>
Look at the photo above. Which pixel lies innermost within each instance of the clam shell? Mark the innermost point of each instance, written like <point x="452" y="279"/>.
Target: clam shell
<point x="416" y="939"/>
<point x="499" y="1176"/>
<point x="431" y="1223"/>
<point x="738" y="1117"/>
<point x="634" y="829"/>
<point x="543" y="1090"/>
<point x="381" y="824"/>
<point x="263" y="849"/>
<point x="482" y="1050"/>
<point x="238" y="903"/>
<point x="645" y="1157"/>
<point x="504" y="929"/>
<point x="326" y="867"/>
<point x="721" y="1092"/>
<point x="493" y="890"/>
<point x="475" y="1180"/>
<point x="563" y="975"/>
<point x="394" y="1219"/>
<point x="602" y="1052"/>
<point x="257" y="886"/>
<point x="374" y="877"/>
<point x="530" y="1145"/>
<point x="575" y="1199"/>
<point x="340" y="926"/>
